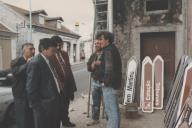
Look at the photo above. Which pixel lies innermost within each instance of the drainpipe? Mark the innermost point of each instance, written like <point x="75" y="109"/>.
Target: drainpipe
<point x="110" y="15"/>
<point x="189" y="26"/>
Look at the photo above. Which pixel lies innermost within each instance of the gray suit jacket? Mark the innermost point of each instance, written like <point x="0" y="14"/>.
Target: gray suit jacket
<point x="41" y="87"/>
<point x="18" y="69"/>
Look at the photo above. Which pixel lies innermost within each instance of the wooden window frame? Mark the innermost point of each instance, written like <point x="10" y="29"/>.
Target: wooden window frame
<point x="155" y="11"/>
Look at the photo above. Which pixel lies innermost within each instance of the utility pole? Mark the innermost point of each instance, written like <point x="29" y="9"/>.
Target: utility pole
<point x="110" y="15"/>
<point x="30" y="21"/>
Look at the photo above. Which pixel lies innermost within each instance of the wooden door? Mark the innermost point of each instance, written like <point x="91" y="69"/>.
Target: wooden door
<point x="163" y="44"/>
<point x="6" y="51"/>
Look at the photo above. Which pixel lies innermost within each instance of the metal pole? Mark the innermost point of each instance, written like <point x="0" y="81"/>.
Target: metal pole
<point x="103" y="110"/>
<point x="30" y="20"/>
<point x="90" y="81"/>
<point x="110" y="15"/>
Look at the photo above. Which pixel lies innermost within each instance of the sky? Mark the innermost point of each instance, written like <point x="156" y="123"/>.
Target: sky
<point x="72" y="11"/>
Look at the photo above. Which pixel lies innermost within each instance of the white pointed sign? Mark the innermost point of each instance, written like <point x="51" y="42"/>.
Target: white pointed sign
<point x="147" y="93"/>
<point x="158" y="82"/>
<point x="132" y="67"/>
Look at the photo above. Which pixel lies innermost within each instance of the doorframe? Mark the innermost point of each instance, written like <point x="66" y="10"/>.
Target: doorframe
<point x="136" y="44"/>
<point x="179" y="39"/>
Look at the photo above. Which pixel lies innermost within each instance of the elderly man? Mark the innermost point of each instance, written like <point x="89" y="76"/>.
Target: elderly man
<point x="24" y="118"/>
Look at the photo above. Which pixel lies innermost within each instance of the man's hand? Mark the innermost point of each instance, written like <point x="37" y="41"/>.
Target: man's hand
<point x="93" y="65"/>
<point x="29" y="59"/>
<point x="98" y="63"/>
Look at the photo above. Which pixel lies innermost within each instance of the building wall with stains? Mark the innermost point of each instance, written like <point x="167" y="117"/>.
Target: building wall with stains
<point x="131" y="18"/>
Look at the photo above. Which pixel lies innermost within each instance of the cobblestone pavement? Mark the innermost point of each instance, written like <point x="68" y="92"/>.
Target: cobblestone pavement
<point x="78" y="115"/>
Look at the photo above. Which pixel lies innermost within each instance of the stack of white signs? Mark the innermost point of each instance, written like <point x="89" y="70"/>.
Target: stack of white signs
<point x="152" y="84"/>
<point x="181" y="86"/>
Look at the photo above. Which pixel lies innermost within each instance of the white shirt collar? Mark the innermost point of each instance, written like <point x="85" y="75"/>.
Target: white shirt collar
<point x="25" y="58"/>
<point x="45" y="58"/>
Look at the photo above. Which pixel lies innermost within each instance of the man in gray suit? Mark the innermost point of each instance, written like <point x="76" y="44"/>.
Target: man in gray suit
<point x="23" y="114"/>
<point x="43" y="87"/>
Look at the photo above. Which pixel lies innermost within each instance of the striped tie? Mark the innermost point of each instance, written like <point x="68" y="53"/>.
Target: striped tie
<point x="61" y="87"/>
<point x="61" y="62"/>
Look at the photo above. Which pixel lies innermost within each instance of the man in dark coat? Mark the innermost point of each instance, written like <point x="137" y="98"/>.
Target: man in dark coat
<point x="43" y="87"/>
<point x="24" y="116"/>
<point x="111" y="77"/>
<point x="62" y="65"/>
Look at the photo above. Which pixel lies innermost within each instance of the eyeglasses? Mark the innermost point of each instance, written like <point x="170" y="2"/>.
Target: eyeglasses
<point x="59" y="45"/>
<point x="31" y="49"/>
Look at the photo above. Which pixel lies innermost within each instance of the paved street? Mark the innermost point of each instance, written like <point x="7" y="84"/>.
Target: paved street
<point x="78" y="107"/>
<point x="81" y="78"/>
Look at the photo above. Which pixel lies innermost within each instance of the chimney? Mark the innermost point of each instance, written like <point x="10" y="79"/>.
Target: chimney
<point x="77" y="27"/>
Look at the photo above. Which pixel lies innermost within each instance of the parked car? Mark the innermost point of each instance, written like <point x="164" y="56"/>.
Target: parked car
<point x="7" y="115"/>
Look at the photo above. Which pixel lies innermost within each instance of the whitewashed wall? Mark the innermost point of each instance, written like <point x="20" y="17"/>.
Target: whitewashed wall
<point x="88" y="49"/>
<point x="36" y="37"/>
<point x="72" y="41"/>
<point x="10" y="17"/>
<point x="14" y="48"/>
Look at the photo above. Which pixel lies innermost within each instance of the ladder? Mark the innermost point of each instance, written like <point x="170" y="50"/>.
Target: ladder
<point x="103" y="15"/>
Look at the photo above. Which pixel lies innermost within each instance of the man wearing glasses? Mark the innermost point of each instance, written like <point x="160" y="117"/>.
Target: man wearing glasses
<point x="23" y="113"/>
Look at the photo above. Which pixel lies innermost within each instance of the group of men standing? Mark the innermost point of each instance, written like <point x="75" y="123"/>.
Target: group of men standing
<point x="43" y="86"/>
<point x="106" y="71"/>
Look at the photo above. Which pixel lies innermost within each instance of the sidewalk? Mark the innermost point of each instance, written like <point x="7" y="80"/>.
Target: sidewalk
<point x="78" y="115"/>
<point x="78" y="66"/>
<point x="77" y="63"/>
